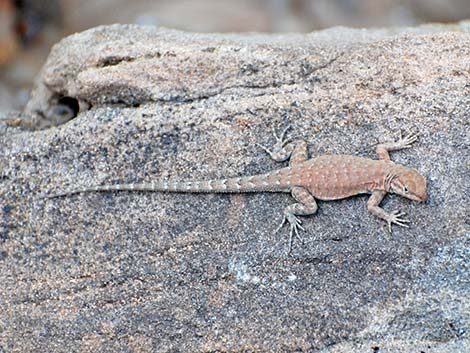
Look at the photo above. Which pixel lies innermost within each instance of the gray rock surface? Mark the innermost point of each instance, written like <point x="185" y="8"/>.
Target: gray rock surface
<point x="202" y="273"/>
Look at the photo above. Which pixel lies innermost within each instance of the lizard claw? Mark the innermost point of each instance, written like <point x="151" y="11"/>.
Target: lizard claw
<point x="396" y="218"/>
<point x="284" y="219"/>
<point x="294" y="226"/>
<point x="408" y="140"/>
<point x="280" y="139"/>
<point x="278" y="151"/>
<point x="267" y="150"/>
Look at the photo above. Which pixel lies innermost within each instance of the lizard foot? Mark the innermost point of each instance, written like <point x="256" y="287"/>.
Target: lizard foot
<point x="294" y="226"/>
<point x="408" y="140"/>
<point x="396" y="217"/>
<point x="278" y="147"/>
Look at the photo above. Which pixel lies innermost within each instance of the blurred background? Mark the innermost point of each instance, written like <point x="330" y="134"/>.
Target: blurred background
<point x="28" y="28"/>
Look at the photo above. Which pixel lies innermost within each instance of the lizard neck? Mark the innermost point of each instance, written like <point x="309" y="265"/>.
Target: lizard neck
<point x="379" y="175"/>
<point x="392" y="172"/>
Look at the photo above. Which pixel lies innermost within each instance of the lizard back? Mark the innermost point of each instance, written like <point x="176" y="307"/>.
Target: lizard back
<point x="332" y="177"/>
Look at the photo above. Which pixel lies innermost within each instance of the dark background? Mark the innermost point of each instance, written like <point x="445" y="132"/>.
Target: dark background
<point x="28" y="28"/>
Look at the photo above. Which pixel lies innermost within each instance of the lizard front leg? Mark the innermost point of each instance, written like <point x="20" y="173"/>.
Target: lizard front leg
<point x="306" y="205"/>
<point x="284" y="149"/>
<point x="392" y="217"/>
<point x="404" y="142"/>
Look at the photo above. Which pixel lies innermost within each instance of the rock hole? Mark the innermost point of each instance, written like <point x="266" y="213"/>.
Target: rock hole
<point x="71" y="103"/>
<point x="66" y="109"/>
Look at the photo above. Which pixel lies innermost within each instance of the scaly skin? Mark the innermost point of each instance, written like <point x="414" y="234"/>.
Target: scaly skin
<point x="327" y="177"/>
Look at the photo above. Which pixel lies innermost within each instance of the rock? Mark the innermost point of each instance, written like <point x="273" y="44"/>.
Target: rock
<point x="185" y="272"/>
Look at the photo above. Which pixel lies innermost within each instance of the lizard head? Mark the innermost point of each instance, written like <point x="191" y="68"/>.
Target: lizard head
<point x="409" y="183"/>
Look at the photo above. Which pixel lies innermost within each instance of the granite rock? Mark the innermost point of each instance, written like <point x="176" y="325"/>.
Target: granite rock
<point x="203" y="273"/>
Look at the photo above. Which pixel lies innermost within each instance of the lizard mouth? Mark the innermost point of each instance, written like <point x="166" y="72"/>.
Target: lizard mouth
<point x="424" y="197"/>
<point x="421" y="198"/>
<point x="416" y="197"/>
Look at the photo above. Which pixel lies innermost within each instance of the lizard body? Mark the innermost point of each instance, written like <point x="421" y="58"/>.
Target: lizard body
<point x="327" y="177"/>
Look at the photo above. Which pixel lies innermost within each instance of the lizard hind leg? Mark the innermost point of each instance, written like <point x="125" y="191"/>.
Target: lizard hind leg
<point x="284" y="149"/>
<point x="306" y="205"/>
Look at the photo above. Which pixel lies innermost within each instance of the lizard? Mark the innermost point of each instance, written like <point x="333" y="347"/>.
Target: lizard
<point x="326" y="177"/>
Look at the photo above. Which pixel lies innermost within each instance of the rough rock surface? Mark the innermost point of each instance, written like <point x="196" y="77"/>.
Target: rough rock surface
<point x="172" y="272"/>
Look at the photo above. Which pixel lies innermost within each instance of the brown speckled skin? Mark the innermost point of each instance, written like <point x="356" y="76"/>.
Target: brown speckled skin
<point x="327" y="177"/>
<point x="333" y="177"/>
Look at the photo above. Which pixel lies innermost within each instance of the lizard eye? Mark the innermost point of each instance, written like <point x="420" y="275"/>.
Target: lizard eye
<point x="405" y="190"/>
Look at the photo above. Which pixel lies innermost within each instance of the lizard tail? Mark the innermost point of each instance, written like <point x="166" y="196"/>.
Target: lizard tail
<point x="270" y="182"/>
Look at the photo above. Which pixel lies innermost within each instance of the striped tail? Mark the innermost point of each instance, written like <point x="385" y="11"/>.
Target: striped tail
<point x="277" y="181"/>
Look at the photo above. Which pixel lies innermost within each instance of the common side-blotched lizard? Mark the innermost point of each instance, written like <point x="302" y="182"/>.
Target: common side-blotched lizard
<point x="327" y="177"/>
